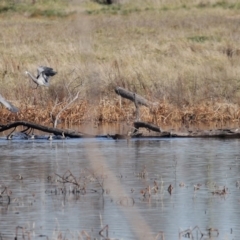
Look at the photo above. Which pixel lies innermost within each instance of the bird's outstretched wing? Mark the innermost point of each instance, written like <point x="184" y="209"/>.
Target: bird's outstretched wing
<point x="49" y="72"/>
<point x="8" y="105"/>
<point x="44" y="74"/>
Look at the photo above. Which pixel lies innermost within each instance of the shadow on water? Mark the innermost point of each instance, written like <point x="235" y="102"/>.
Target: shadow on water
<point x="135" y="176"/>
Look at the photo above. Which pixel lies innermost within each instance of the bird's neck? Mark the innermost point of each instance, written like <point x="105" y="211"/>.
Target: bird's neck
<point x="31" y="76"/>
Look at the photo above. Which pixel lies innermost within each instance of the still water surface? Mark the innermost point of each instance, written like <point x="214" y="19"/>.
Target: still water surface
<point x="128" y="167"/>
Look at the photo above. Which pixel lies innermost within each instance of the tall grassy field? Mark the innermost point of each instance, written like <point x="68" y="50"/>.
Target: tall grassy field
<point x="183" y="54"/>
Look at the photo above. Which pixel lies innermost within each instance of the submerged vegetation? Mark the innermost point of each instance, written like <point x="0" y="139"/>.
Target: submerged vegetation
<point x="183" y="55"/>
<point x="69" y="188"/>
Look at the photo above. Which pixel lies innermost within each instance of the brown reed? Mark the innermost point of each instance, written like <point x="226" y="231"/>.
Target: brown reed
<point x="110" y="112"/>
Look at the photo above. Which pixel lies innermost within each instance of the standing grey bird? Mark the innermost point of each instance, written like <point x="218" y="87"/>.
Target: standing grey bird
<point x="43" y="76"/>
<point x="8" y="105"/>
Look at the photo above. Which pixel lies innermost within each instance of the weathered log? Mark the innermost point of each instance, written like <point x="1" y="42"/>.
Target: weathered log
<point x="137" y="99"/>
<point x="55" y="131"/>
<point x="219" y="133"/>
<point x="149" y="126"/>
<point x="137" y="108"/>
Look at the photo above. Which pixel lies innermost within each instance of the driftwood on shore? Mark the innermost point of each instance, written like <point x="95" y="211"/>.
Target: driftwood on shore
<point x="132" y="97"/>
<point x="218" y="133"/>
<point x="149" y="126"/>
<point x="138" y="100"/>
<point x="55" y="131"/>
<point x="212" y="133"/>
<point x="135" y="98"/>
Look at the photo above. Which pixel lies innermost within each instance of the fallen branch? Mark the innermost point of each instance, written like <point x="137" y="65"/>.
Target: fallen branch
<point x="149" y="126"/>
<point x="218" y="133"/>
<point x="55" y="131"/>
<point x="137" y="99"/>
<point x="6" y="193"/>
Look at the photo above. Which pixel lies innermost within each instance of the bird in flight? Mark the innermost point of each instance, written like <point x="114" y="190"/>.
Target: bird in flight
<point x="8" y="105"/>
<point x="43" y="76"/>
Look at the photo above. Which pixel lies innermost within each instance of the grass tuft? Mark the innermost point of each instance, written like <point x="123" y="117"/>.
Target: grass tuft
<point x="199" y="39"/>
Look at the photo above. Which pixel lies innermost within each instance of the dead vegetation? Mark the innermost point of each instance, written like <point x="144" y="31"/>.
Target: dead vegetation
<point x="110" y="112"/>
<point x="189" y="233"/>
<point x="87" y="182"/>
<point x="93" y="182"/>
<point x="5" y="195"/>
<point x="221" y="192"/>
<point x="191" y="71"/>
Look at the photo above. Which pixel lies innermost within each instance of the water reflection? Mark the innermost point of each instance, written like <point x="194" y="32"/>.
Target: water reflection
<point x="37" y="206"/>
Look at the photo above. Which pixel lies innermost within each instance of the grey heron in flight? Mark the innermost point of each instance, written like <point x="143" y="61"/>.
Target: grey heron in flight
<point x="8" y="105"/>
<point x="43" y="76"/>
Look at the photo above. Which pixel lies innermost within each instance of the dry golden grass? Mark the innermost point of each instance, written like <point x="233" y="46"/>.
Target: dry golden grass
<point x="182" y="54"/>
